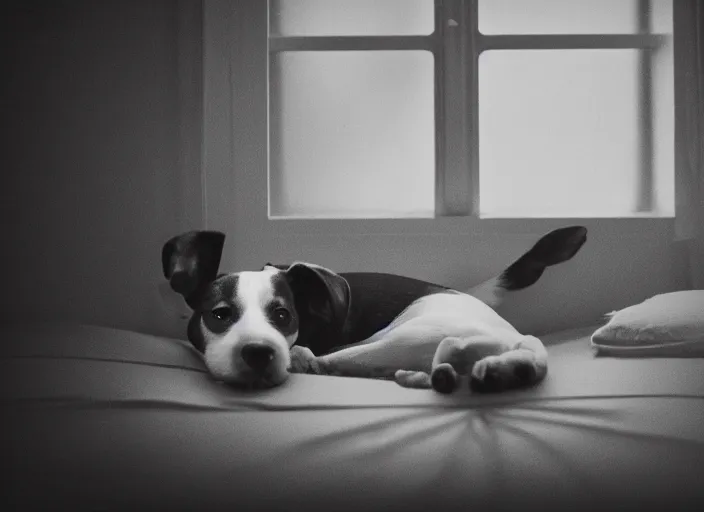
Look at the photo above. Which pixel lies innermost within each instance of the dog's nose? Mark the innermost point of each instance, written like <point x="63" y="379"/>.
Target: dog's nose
<point x="257" y="356"/>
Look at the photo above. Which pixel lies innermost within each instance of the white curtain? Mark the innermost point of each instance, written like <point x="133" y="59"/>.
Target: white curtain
<point x="689" y="139"/>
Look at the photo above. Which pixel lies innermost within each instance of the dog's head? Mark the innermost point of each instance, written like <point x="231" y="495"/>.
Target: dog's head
<point x="244" y="323"/>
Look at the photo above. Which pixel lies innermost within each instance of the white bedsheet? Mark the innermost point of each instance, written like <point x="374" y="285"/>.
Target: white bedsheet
<point x="115" y="420"/>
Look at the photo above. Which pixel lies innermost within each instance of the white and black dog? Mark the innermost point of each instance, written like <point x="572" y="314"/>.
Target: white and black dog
<point x="256" y="327"/>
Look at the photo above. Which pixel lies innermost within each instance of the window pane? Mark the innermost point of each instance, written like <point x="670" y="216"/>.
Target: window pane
<point x="351" y="18"/>
<point x="568" y="16"/>
<point x="559" y="133"/>
<point x="352" y="134"/>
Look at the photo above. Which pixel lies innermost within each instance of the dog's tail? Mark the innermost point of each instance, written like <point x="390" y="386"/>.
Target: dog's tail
<point x="556" y="247"/>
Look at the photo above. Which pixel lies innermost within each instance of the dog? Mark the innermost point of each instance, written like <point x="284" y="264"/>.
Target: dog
<point x="254" y="328"/>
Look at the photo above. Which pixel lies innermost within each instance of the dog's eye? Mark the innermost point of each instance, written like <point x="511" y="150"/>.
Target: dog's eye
<point x="222" y="313"/>
<point x="282" y="316"/>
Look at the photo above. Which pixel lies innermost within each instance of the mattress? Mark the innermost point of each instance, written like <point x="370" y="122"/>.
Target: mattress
<point x="104" y="419"/>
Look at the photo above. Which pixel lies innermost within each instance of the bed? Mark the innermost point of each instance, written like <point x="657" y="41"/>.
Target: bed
<point x="105" y="419"/>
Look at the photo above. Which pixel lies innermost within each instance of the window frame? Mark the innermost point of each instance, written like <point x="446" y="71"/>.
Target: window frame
<point x="234" y="155"/>
<point x="456" y="91"/>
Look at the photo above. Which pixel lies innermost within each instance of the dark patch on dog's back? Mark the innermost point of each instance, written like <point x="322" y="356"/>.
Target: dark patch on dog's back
<point x="378" y="298"/>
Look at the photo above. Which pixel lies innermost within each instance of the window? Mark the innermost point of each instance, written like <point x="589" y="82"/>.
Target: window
<point x="494" y="108"/>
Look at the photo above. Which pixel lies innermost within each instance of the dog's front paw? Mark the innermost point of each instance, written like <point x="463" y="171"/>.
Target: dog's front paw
<point x="498" y="373"/>
<point x="303" y="360"/>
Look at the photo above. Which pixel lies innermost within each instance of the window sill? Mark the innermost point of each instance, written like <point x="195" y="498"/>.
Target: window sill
<point x="642" y="225"/>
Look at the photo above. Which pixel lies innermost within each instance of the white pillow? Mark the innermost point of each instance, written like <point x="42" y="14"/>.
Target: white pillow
<point x="666" y="325"/>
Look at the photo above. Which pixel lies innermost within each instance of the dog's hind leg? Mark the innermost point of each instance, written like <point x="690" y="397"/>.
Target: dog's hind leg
<point x="453" y="360"/>
<point x="524" y="365"/>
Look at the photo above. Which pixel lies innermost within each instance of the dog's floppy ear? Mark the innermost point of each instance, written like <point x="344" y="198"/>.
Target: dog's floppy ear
<point x="191" y="260"/>
<point x="322" y="300"/>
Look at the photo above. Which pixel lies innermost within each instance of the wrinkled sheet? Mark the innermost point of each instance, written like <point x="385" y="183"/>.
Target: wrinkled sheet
<point x="106" y="419"/>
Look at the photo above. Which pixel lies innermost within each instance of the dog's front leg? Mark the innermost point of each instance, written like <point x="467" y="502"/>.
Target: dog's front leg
<point x="303" y="361"/>
<point x="410" y="347"/>
<point x="341" y="363"/>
